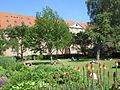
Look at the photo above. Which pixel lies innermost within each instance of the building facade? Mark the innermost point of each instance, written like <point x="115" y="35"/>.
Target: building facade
<point x="10" y="20"/>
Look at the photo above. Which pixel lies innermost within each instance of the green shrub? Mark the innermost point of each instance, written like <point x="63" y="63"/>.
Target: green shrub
<point x="51" y="78"/>
<point x="119" y="84"/>
<point x="34" y="57"/>
<point x="29" y="57"/>
<point x="37" y="57"/>
<point x="6" y="62"/>
<point x="42" y="77"/>
<point x="2" y="71"/>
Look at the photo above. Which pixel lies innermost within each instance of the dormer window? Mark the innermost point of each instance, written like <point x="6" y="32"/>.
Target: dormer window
<point x="76" y="24"/>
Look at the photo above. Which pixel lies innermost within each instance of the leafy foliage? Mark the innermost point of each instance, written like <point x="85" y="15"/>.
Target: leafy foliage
<point x="104" y="23"/>
<point x="82" y="39"/>
<point x="53" y="29"/>
<point x="4" y="44"/>
<point x="50" y="32"/>
<point x="50" y="77"/>
<point x="6" y="62"/>
<point x="17" y="38"/>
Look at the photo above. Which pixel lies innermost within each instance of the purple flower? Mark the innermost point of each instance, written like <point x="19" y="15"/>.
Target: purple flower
<point x="3" y="80"/>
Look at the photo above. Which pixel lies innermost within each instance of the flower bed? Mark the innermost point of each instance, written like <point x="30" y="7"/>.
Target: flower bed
<point x="61" y="78"/>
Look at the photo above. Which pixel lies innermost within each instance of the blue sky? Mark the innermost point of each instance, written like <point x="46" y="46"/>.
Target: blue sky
<point x="74" y="10"/>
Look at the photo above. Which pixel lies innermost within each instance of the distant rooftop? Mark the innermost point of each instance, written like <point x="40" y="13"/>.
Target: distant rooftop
<point x="10" y="20"/>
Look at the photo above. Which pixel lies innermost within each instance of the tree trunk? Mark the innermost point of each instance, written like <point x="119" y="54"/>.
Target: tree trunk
<point x="98" y="54"/>
<point x="50" y="51"/>
<point x="21" y="49"/>
<point x="67" y="50"/>
<point x="17" y="51"/>
<point x="62" y="51"/>
<point x="1" y="53"/>
<point x="56" y="54"/>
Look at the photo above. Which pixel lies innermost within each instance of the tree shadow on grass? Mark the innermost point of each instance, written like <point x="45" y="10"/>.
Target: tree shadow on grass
<point x="80" y="60"/>
<point x="115" y="67"/>
<point x="37" y="63"/>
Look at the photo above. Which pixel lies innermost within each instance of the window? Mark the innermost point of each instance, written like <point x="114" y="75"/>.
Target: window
<point x="15" y="21"/>
<point x="7" y="20"/>
<point x="76" y="24"/>
<point x="30" y="23"/>
<point x="9" y="25"/>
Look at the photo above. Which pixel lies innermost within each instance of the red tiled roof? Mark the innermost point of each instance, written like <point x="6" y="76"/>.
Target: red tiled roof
<point x="69" y="23"/>
<point x="85" y="25"/>
<point x="7" y="19"/>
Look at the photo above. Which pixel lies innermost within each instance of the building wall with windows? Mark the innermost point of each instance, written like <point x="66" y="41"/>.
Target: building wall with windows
<point x="9" y="20"/>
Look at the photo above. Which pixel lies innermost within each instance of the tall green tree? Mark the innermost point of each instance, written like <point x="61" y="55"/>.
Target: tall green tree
<point x="112" y="7"/>
<point x="101" y="33"/>
<point x="98" y="8"/>
<point x="51" y="30"/>
<point x="62" y="36"/>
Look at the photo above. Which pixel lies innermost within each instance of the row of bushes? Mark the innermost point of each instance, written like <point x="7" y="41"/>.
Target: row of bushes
<point x="69" y="56"/>
<point x="59" y="56"/>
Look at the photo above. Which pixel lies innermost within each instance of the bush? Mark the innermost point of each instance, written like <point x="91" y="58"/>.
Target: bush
<point x="6" y="62"/>
<point x="43" y="77"/>
<point x="34" y="57"/>
<point x="40" y="57"/>
<point x="2" y="71"/>
<point x="52" y="78"/>
<point x="29" y="57"/>
<point x="18" y="66"/>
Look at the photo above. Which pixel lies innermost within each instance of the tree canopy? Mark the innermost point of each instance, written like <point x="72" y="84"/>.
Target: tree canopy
<point x="17" y="38"/>
<point x="50" y="31"/>
<point x="104" y="18"/>
<point x="4" y="44"/>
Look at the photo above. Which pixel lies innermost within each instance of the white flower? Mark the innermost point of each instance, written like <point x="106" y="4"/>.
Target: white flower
<point x="94" y="76"/>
